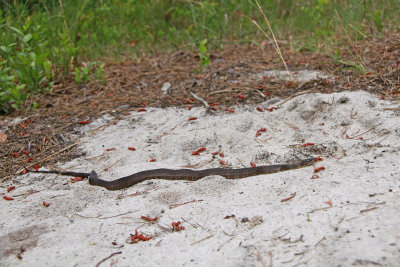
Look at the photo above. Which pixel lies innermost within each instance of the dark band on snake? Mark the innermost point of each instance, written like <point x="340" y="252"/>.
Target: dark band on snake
<point x="184" y="174"/>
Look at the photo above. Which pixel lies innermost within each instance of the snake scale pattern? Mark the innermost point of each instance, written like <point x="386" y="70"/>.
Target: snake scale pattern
<point x="184" y="174"/>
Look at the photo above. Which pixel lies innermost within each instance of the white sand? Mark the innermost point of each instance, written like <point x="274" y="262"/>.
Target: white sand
<point x="84" y="224"/>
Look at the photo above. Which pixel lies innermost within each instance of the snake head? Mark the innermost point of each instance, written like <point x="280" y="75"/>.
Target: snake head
<point x="92" y="177"/>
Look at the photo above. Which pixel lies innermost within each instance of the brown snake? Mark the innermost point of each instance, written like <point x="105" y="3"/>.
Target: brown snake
<point x="183" y="174"/>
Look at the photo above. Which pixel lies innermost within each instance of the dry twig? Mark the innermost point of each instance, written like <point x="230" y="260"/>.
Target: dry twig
<point x="106" y="258"/>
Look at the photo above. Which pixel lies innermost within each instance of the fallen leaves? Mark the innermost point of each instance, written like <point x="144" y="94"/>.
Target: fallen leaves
<point x="139" y="237"/>
<point x="177" y="227"/>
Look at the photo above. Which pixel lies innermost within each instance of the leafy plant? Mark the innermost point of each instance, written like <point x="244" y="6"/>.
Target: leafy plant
<point x="88" y="72"/>
<point x="7" y="84"/>
<point x="27" y="68"/>
<point x="377" y="15"/>
<point x="82" y="75"/>
<point x="205" y="58"/>
<point x="99" y="74"/>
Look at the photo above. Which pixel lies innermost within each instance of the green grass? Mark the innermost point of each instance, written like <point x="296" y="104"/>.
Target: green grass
<point x="43" y="40"/>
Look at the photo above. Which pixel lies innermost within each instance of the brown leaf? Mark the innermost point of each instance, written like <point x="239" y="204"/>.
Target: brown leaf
<point x="3" y="137"/>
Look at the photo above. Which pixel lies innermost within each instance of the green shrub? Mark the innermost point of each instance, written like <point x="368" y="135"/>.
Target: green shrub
<point x="25" y="67"/>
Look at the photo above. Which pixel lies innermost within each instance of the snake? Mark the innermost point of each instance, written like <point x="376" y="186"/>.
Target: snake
<point x="183" y="174"/>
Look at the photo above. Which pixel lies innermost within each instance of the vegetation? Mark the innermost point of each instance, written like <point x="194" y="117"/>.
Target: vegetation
<point x="43" y="40"/>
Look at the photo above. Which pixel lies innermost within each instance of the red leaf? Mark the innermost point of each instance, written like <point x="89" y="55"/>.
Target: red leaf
<point x="307" y="144"/>
<point x="176" y="226"/>
<point x="84" y="122"/>
<point x="319" y="169"/>
<point x="8" y="198"/>
<point x="10" y="188"/>
<point x="22" y="126"/>
<point x="76" y="179"/>
<point x="149" y="219"/>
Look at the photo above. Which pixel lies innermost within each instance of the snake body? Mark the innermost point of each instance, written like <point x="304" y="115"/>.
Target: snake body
<point x="185" y="174"/>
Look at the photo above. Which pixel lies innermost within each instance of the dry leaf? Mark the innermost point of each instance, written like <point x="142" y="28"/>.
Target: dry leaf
<point x="3" y="137"/>
<point x="329" y="202"/>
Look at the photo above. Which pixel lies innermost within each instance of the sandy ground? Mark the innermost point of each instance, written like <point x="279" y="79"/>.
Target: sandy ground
<point x="347" y="214"/>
